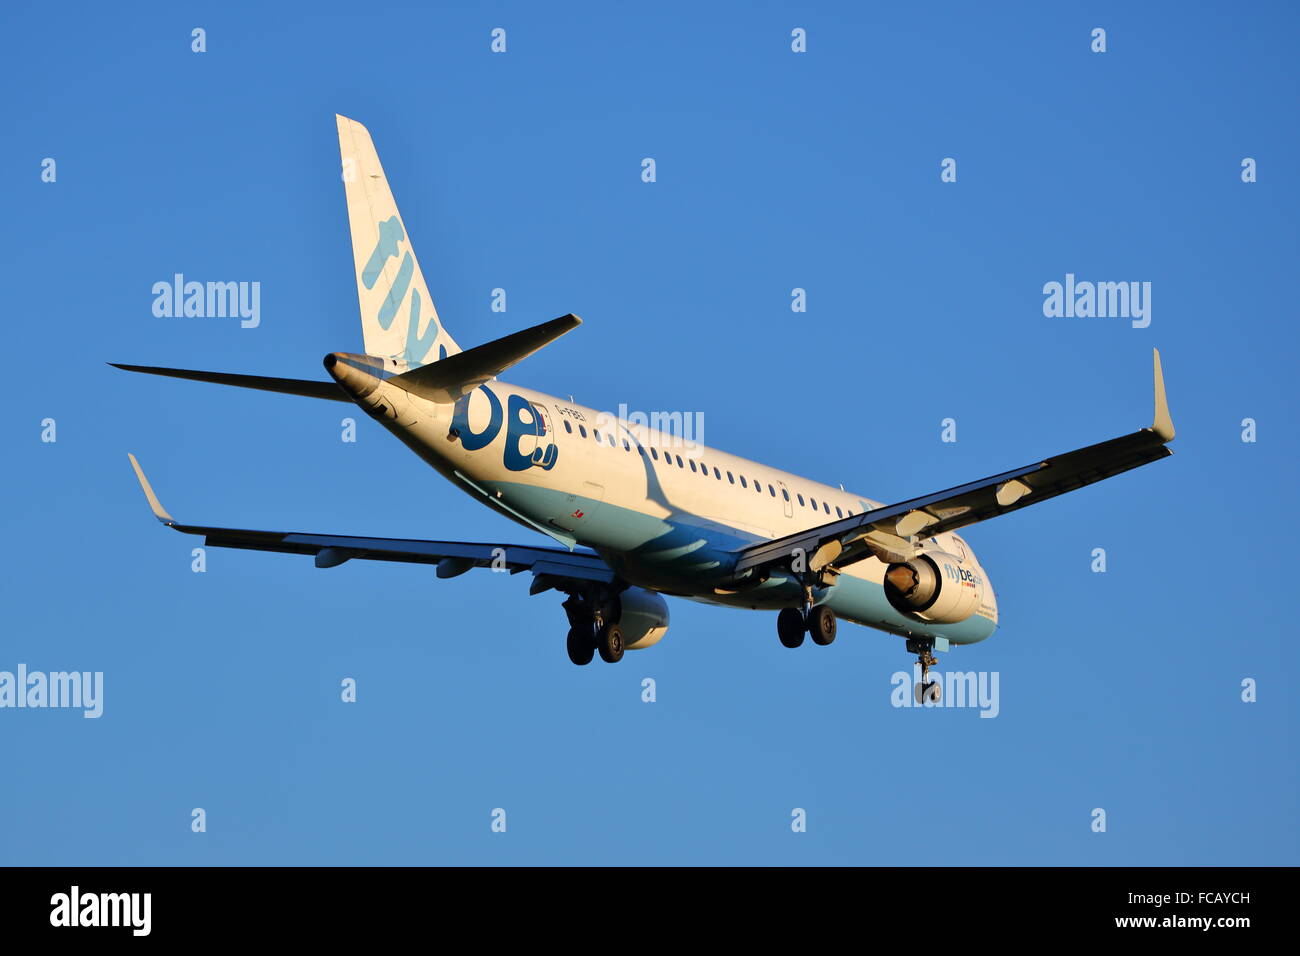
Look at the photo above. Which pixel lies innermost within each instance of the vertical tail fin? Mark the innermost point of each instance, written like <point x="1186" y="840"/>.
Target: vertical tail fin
<point x="398" y="319"/>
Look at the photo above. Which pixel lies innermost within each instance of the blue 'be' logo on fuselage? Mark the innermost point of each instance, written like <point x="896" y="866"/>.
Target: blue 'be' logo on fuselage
<point x="522" y="421"/>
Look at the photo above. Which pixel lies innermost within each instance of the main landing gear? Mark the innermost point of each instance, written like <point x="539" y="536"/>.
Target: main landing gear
<point x="593" y="627"/>
<point x="585" y="640"/>
<point x="793" y="623"/>
<point x="928" y="689"/>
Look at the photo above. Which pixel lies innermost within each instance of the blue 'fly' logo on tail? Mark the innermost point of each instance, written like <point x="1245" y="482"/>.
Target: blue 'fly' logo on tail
<point x="391" y="235"/>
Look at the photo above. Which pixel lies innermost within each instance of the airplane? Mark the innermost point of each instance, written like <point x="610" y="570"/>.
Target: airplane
<point x="634" y="512"/>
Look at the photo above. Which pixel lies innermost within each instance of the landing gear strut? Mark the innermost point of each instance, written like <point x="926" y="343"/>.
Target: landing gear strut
<point x="923" y="648"/>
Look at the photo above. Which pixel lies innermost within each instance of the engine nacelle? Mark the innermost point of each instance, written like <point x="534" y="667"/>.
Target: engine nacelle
<point x="644" y="618"/>
<point x="936" y="587"/>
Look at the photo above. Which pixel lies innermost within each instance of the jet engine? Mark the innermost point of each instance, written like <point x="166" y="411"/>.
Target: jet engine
<point x="643" y="619"/>
<point x="934" y="587"/>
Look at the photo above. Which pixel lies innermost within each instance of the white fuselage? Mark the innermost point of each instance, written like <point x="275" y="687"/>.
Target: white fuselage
<point x="665" y="514"/>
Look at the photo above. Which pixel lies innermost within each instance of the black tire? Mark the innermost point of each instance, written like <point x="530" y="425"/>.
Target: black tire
<point x="821" y="625"/>
<point x="610" y="644"/>
<point x="581" y="645"/>
<point x="790" y="626"/>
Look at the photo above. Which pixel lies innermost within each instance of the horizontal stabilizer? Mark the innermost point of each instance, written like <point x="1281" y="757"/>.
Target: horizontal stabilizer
<point x="447" y="380"/>
<point x="289" y="386"/>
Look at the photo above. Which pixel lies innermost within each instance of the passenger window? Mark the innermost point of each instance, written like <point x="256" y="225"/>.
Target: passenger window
<point x="838" y="511"/>
<point x="680" y="463"/>
<point x="742" y="482"/>
<point x="567" y="427"/>
<point x="731" y="478"/>
<point x="813" y="502"/>
<point x="771" y="491"/>
<point x="758" y="486"/>
<point x="826" y="506"/>
<point x="785" y="494"/>
<point x="582" y="431"/>
<point x="692" y="466"/>
<point x="800" y="497"/>
<point x="626" y="446"/>
<point x="654" y="453"/>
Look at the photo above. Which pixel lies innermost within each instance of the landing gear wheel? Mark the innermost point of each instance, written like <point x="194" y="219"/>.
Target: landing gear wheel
<point x="790" y="626"/>
<point x="821" y="625"/>
<point x="581" y="645"/>
<point x="610" y="644"/>
<point x="930" y="690"/>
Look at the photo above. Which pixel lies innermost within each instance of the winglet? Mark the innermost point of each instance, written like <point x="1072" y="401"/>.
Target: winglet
<point x="1163" y="425"/>
<point x="159" y="511"/>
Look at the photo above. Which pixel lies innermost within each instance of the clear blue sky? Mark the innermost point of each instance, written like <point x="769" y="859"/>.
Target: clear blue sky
<point x="775" y="170"/>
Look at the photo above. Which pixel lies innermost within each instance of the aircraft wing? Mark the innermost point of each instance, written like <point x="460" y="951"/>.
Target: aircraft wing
<point x="551" y="567"/>
<point x="891" y="533"/>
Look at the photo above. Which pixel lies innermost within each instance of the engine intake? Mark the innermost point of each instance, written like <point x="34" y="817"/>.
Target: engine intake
<point x="934" y="587"/>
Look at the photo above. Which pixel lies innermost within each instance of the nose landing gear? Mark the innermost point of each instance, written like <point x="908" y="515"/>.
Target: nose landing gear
<point x="930" y="690"/>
